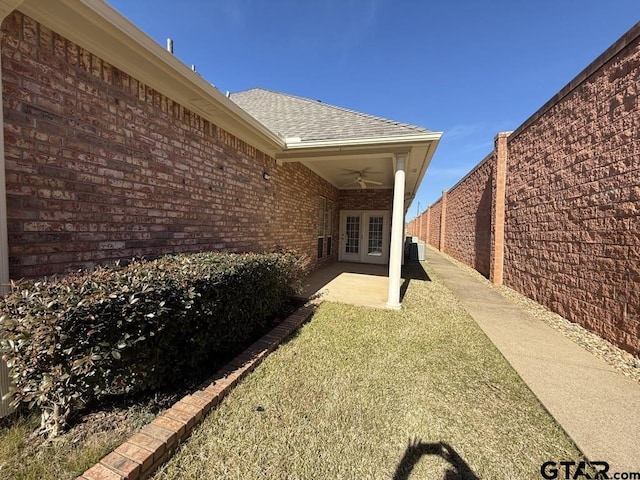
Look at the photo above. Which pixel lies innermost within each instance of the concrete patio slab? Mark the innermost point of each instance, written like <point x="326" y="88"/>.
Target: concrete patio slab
<point x="598" y="407"/>
<point x="351" y="283"/>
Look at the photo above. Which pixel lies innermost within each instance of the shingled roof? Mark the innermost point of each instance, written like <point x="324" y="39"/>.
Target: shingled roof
<point x="311" y="120"/>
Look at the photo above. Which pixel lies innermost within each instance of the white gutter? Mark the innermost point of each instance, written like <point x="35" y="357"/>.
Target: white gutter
<point x="4" y="237"/>
<point x="296" y="143"/>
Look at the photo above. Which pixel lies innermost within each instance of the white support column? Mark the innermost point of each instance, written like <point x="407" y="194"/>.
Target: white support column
<point x="397" y="230"/>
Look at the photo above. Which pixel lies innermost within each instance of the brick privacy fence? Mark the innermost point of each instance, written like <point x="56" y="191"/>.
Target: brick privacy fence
<point x="432" y="234"/>
<point x="100" y="167"/>
<point x="554" y="211"/>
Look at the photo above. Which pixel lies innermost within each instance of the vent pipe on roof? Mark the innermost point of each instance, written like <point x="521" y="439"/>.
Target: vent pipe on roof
<point x="193" y="68"/>
<point x="169" y="45"/>
<point x="228" y="94"/>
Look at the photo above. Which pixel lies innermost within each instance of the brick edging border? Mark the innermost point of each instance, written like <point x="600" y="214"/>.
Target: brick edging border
<point x="146" y="450"/>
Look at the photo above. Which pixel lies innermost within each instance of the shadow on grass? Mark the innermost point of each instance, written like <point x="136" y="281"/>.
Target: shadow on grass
<point x="456" y="470"/>
<point x="412" y="270"/>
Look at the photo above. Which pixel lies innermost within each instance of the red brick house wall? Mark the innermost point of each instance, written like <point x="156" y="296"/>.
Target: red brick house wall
<point x="100" y="167"/>
<point x="371" y="199"/>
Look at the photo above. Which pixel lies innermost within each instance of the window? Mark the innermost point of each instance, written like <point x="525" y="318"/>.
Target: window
<point x="329" y="226"/>
<point x="325" y="227"/>
<point x="322" y="215"/>
<point x="352" y="245"/>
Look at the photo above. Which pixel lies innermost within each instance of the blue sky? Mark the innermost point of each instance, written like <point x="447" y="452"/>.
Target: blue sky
<point x="468" y="68"/>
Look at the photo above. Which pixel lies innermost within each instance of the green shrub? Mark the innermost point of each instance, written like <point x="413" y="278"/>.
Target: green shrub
<point x="124" y="330"/>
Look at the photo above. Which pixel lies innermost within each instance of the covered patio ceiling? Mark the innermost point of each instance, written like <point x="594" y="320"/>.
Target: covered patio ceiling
<point x="341" y="164"/>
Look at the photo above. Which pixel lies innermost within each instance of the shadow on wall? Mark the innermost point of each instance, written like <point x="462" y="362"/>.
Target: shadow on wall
<point x="457" y="468"/>
<point x="483" y="230"/>
<point x="412" y="270"/>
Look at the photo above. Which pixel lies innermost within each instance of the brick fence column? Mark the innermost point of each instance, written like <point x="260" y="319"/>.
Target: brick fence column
<point x="500" y="180"/>
<point x="443" y="220"/>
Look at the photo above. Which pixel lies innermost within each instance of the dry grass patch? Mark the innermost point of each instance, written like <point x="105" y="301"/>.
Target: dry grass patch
<point x="363" y="393"/>
<point x="26" y="456"/>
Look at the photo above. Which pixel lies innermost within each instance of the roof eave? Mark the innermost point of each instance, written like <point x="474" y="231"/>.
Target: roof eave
<point x="296" y="144"/>
<point x="425" y="164"/>
<point x="101" y="30"/>
<point x="420" y="147"/>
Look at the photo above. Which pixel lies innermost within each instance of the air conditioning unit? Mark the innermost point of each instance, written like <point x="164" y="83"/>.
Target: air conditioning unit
<point x="417" y="251"/>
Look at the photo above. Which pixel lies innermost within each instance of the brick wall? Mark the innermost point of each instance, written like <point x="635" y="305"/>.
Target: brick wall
<point x="425" y="220"/>
<point x="468" y="229"/>
<point x="572" y="226"/>
<point x="434" y="225"/>
<point x="369" y="199"/>
<point x="572" y="201"/>
<point x="101" y="167"/>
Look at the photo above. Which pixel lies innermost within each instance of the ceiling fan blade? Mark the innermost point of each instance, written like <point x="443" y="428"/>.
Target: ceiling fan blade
<point x="374" y="182"/>
<point x="363" y="183"/>
<point x="350" y="183"/>
<point x="368" y="171"/>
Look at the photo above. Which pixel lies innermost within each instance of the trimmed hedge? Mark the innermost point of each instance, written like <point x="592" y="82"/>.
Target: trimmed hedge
<point x="124" y="330"/>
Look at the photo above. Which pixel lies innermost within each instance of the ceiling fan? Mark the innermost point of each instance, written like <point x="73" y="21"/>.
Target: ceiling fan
<point x="362" y="181"/>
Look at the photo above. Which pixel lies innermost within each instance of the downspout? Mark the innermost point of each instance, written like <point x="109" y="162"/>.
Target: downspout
<point x="4" y="235"/>
<point x="6" y="7"/>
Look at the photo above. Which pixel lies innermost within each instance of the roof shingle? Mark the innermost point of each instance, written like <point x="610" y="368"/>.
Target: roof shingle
<point x="291" y="116"/>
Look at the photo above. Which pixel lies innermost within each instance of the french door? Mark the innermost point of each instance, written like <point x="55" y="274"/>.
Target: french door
<point x="364" y="236"/>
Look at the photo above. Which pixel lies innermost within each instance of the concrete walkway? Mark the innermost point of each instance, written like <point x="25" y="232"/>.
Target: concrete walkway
<point x="598" y="407"/>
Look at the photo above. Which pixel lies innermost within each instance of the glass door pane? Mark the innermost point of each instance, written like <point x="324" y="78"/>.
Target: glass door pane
<point x="375" y="237"/>
<point x="352" y="231"/>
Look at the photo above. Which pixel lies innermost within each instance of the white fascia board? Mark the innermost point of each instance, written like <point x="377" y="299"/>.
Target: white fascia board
<point x="103" y="31"/>
<point x="426" y="161"/>
<point x="405" y="139"/>
<point x="424" y="165"/>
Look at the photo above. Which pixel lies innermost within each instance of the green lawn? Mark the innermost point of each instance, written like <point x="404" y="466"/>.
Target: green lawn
<point x="361" y="393"/>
